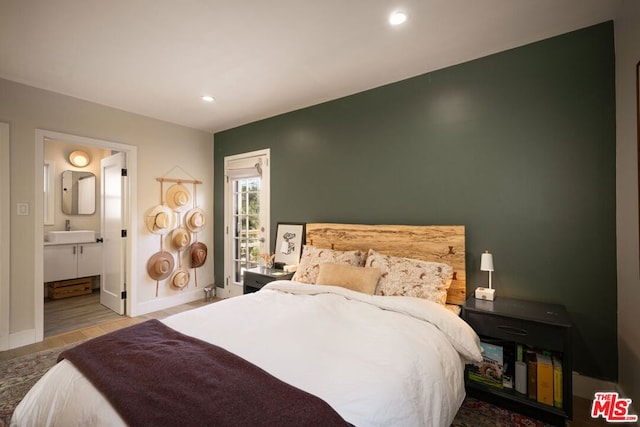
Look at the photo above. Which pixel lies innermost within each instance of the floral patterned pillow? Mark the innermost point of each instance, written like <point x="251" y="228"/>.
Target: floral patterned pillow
<point x="312" y="257"/>
<point x="411" y="277"/>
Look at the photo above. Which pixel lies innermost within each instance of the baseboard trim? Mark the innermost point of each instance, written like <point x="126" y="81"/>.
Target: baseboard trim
<point x="168" y="302"/>
<point x="586" y="387"/>
<point x="22" y="338"/>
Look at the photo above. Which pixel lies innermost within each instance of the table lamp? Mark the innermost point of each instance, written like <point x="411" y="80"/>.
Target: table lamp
<point x="486" y="264"/>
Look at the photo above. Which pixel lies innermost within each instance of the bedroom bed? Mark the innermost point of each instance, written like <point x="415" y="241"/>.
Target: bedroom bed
<point x="322" y="349"/>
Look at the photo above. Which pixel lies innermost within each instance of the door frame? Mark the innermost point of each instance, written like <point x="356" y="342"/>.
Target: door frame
<point x="42" y="135"/>
<point x="5" y="236"/>
<point x="266" y="203"/>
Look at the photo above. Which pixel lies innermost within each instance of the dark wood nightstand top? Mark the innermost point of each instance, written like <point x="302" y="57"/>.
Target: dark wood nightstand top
<point x="553" y="314"/>
<point x="256" y="278"/>
<point x="270" y="272"/>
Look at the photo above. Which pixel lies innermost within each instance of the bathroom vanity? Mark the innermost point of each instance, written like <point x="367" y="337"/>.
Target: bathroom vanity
<point x="68" y="267"/>
<point x="72" y="261"/>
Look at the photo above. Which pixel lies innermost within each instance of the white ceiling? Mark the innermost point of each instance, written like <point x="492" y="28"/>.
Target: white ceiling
<point x="257" y="58"/>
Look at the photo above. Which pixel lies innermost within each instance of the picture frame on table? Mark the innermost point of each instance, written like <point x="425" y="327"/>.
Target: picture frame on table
<point x="290" y="237"/>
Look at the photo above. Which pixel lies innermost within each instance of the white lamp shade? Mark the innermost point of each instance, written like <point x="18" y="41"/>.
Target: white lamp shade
<point x="486" y="262"/>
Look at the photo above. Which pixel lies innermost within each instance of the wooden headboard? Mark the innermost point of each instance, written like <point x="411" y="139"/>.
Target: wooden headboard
<point x="438" y="243"/>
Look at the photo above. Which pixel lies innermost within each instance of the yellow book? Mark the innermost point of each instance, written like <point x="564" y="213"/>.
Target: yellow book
<point x="557" y="382"/>
<point x="544" y="379"/>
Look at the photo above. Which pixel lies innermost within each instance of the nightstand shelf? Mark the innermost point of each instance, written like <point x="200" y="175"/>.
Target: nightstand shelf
<point x="256" y="278"/>
<point x="539" y="326"/>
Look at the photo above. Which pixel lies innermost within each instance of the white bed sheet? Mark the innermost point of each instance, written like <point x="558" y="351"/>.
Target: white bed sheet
<point x="378" y="361"/>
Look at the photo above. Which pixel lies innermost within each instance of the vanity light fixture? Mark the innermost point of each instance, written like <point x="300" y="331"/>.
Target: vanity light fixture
<point x="79" y="159"/>
<point x="486" y="264"/>
<point x="397" y="18"/>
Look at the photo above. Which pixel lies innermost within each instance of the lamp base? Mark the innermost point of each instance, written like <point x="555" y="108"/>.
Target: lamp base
<point x="485" y="294"/>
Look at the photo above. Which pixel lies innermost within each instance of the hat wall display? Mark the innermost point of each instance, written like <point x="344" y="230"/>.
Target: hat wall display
<point x="180" y="238"/>
<point x="195" y="220"/>
<point x="180" y="278"/>
<point x="198" y="254"/>
<point x="160" y="265"/>
<point x="177" y="221"/>
<point x="178" y="197"/>
<point x="160" y="220"/>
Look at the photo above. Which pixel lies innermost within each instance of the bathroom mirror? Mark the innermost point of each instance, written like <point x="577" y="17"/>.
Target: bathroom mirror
<point x="78" y="193"/>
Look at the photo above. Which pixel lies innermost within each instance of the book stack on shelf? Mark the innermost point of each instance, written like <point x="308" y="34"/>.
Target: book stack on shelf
<point x="534" y="373"/>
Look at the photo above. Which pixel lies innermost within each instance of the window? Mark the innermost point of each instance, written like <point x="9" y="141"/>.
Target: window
<point x="246" y="235"/>
<point x="246" y="215"/>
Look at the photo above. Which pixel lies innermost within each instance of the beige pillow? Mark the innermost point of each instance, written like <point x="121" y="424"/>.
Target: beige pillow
<point x="312" y="257"/>
<point x="359" y="279"/>
<point x="411" y="277"/>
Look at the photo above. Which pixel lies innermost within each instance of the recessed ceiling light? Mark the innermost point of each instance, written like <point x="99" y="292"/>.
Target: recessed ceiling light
<point x="207" y="98"/>
<point x="397" y="18"/>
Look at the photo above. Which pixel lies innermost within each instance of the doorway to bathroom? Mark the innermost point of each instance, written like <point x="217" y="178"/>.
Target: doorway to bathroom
<point x="96" y="292"/>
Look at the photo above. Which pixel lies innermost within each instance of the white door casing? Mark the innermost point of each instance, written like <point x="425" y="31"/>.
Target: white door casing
<point x="5" y="213"/>
<point x="130" y="219"/>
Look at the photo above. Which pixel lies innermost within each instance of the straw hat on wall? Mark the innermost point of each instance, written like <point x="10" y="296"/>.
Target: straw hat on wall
<point x="180" y="278"/>
<point x="160" y="220"/>
<point x="180" y="238"/>
<point x="160" y="265"/>
<point x="195" y="220"/>
<point x="198" y="254"/>
<point x="178" y="197"/>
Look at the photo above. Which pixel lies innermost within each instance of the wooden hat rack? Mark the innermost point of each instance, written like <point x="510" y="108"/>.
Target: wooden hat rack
<point x="181" y="235"/>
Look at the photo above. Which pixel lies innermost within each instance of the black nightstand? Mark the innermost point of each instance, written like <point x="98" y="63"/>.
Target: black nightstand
<point x="256" y="278"/>
<point x="537" y="326"/>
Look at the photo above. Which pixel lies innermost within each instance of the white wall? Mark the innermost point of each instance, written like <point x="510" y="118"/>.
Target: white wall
<point x="160" y="147"/>
<point x="627" y="35"/>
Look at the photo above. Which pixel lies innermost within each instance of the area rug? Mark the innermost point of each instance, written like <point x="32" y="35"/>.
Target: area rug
<point x="18" y="375"/>
<point x="476" y="413"/>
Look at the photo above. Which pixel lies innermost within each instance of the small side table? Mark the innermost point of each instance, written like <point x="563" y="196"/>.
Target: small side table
<point x="256" y="278"/>
<point x="532" y="324"/>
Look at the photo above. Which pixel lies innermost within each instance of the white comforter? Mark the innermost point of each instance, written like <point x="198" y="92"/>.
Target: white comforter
<point x="378" y="361"/>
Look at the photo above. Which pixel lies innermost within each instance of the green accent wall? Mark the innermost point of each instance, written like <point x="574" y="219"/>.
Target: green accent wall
<point x="518" y="146"/>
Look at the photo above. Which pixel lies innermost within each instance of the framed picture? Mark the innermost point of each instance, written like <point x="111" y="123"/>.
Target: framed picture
<point x="289" y="240"/>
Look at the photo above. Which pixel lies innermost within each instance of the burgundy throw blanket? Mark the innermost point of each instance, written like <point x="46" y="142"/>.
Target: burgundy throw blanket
<point x="155" y="376"/>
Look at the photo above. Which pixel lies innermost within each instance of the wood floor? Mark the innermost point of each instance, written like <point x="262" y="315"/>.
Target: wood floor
<point x="67" y="314"/>
<point x="79" y="318"/>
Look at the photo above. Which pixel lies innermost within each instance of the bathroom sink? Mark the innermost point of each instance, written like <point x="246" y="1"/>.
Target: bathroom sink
<point x="72" y="236"/>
